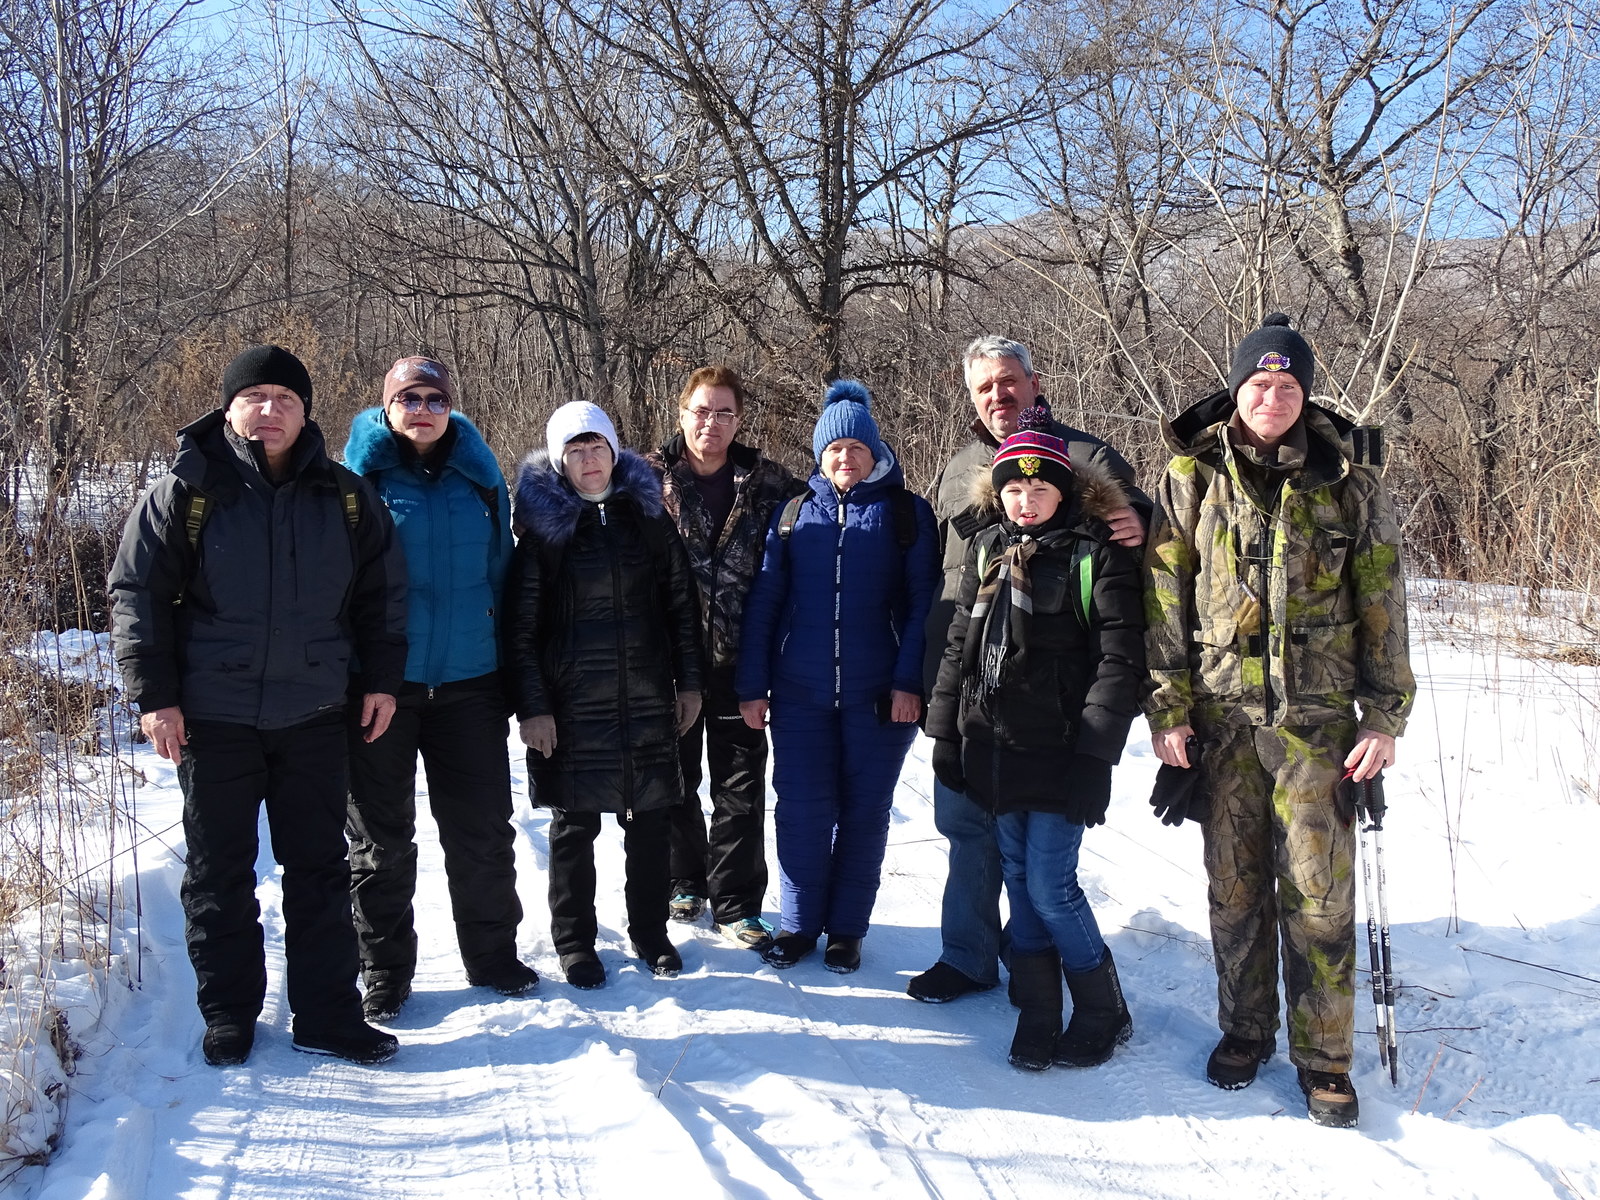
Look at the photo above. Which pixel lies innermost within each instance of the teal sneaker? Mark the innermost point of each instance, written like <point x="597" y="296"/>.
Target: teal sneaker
<point x="686" y="907"/>
<point x="750" y="932"/>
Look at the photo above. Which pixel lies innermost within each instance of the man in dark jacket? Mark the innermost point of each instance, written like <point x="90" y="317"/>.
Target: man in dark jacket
<point x="721" y="494"/>
<point x="251" y="579"/>
<point x="1001" y="380"/>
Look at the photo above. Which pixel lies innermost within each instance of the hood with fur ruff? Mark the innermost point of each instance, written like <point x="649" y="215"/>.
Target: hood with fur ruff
<point x="545" y="504"/>
<point x="1096" y="492"/>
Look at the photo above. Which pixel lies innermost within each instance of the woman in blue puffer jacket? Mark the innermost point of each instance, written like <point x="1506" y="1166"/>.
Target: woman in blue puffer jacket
<point x="446" y="493"/>
<point x="833" y="642"/>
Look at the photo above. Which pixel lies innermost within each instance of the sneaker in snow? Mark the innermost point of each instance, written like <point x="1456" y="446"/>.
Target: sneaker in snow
<point x="1234" y="1062"/>
<point x="750" y="932"/>
<point x="1330" y="1098"/>
<point x="686" y="907"/>
<point x="942" y="983"/>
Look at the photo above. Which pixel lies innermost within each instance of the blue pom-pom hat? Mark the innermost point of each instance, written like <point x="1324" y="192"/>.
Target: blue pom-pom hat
<point x="847" y="413"/>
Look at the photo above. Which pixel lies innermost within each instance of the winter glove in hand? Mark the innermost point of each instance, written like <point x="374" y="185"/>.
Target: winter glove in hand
<point x="1177" y="793"/>
<point x="1088" y="790"/>
<point x="947" y="764"/>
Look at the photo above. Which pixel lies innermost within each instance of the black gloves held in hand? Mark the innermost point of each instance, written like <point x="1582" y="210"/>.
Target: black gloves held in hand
<point x="1178" y="792"/>
<point x="947" y="764"/>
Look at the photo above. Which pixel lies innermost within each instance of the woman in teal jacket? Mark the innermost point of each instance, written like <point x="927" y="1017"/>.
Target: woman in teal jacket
<point x="447" y="496"/>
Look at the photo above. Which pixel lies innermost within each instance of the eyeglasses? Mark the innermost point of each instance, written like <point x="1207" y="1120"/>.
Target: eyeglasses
<point x="586" y="450"/>
<point x="435" y="402"/>
<point x="712" y="416"/>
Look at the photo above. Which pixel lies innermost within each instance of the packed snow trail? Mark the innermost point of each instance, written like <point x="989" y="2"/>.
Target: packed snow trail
<point x="738" y="1080"/>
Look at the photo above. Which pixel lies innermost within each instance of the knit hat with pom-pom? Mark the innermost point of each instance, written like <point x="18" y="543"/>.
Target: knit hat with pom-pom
<point x="847" y="413"/>
<point x="1033" y="452"/>
<point x="1273" y="347"/>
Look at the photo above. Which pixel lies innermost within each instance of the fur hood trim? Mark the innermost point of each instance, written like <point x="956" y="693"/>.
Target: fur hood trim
<point x="1099" y="493"/>
<point x="371" y="447"/>
<point x="544" y="504"/>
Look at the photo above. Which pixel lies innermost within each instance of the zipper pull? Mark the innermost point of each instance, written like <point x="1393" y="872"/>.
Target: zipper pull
<point x="602" y="507"/>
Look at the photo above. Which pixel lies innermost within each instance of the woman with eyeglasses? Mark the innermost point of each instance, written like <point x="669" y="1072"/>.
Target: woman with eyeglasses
<point x="605" y="654"/>
<point x="444" y="489"/>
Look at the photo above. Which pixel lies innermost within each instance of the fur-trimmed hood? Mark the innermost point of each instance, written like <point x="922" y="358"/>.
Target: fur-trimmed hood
<point x="372" y="447"/>
<point x="1096" y="493"/>
<point x="545" y="505"/>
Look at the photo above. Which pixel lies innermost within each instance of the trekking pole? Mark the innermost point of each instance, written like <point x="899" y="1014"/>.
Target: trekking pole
<point x="1370" y="807"/>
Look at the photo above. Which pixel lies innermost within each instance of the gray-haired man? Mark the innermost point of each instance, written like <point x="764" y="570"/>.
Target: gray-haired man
<point x="1002" y="382"/>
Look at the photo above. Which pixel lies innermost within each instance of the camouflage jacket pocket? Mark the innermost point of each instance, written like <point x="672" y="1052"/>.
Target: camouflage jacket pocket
<point x="1322" y="669"/>
<point x="1216" y="664"/>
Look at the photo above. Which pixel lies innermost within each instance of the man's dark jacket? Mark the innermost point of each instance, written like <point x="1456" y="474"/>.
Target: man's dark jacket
<point x="725" y="561"/>
<point x="281" y="598"/>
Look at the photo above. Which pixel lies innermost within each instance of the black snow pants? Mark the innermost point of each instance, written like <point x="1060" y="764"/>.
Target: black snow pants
<point x="227" y="772"/>
<point x="729" y="867"/>
<point x="573" y="925"/>
<point x="460" y="730"/>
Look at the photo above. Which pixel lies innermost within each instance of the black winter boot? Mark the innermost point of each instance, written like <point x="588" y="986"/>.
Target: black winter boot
<point x="1036" y="985"/>
<point x="1100" y="1020"/>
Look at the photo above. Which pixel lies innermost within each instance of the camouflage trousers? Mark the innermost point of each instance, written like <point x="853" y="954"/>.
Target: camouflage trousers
<point x="1279" y="864"/>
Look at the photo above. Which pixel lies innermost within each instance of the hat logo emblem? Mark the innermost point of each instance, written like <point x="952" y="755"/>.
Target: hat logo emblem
<point x="1028" y="464"/>
<point x="1273" y="361"/>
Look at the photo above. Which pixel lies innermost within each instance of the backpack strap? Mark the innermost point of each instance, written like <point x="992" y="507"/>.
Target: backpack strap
<point x="197" y="507"/>
<point x="1083" y="577"/>
<point x="904" y="509"/>
<point x="790" y="514"/>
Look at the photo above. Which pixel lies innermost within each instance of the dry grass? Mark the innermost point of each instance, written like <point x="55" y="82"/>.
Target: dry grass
<point x="64" y="817"/>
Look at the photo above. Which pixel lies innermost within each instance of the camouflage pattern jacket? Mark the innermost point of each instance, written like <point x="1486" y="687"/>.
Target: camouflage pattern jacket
<point x="1288" y="614"/>
<point x="724" y="565"/>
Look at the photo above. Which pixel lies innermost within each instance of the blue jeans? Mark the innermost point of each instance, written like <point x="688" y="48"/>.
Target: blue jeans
<point x="969" y="921"/>
<point x="1039" y="856"/>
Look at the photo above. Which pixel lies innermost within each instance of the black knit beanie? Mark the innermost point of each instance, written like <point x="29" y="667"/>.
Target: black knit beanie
<point x="257" y="365"/>
<point x="1273" y="347"/>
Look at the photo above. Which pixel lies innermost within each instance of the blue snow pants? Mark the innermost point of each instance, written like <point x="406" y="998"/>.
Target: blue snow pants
<point x="834" y="771"/>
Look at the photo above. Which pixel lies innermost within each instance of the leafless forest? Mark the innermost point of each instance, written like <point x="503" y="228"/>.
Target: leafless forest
<point x="565" y="197"/>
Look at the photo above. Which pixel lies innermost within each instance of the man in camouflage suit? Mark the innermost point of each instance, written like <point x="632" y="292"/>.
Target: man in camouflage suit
<point x="1276" y="609"/>
<point x="721" y="493"/>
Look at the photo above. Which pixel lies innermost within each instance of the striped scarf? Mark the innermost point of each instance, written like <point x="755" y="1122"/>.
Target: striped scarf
<point x="998" y="629"/>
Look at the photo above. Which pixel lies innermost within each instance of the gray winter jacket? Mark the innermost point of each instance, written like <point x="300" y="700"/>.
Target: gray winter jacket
<point x="263" y="623"/>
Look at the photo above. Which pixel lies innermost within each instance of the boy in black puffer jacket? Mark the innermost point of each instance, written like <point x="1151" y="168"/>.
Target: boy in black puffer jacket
<point x="1039" y="684"/>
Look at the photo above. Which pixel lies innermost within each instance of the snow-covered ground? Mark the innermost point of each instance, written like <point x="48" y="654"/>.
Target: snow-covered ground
<point x="738" y="1080"/>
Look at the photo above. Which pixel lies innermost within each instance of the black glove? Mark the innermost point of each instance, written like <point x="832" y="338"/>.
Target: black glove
<point x="1088" y="790"/>
<point x="1364" y="799"/>
<point x="947" y="764"/>
<point x="1178" y="793"/>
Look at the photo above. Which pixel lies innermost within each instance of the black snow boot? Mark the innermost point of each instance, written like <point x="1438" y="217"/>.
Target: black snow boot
<point x="1235" y="1060"/>
<point x="1100" y="1020"/>
<point x="1036" y="984"/>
